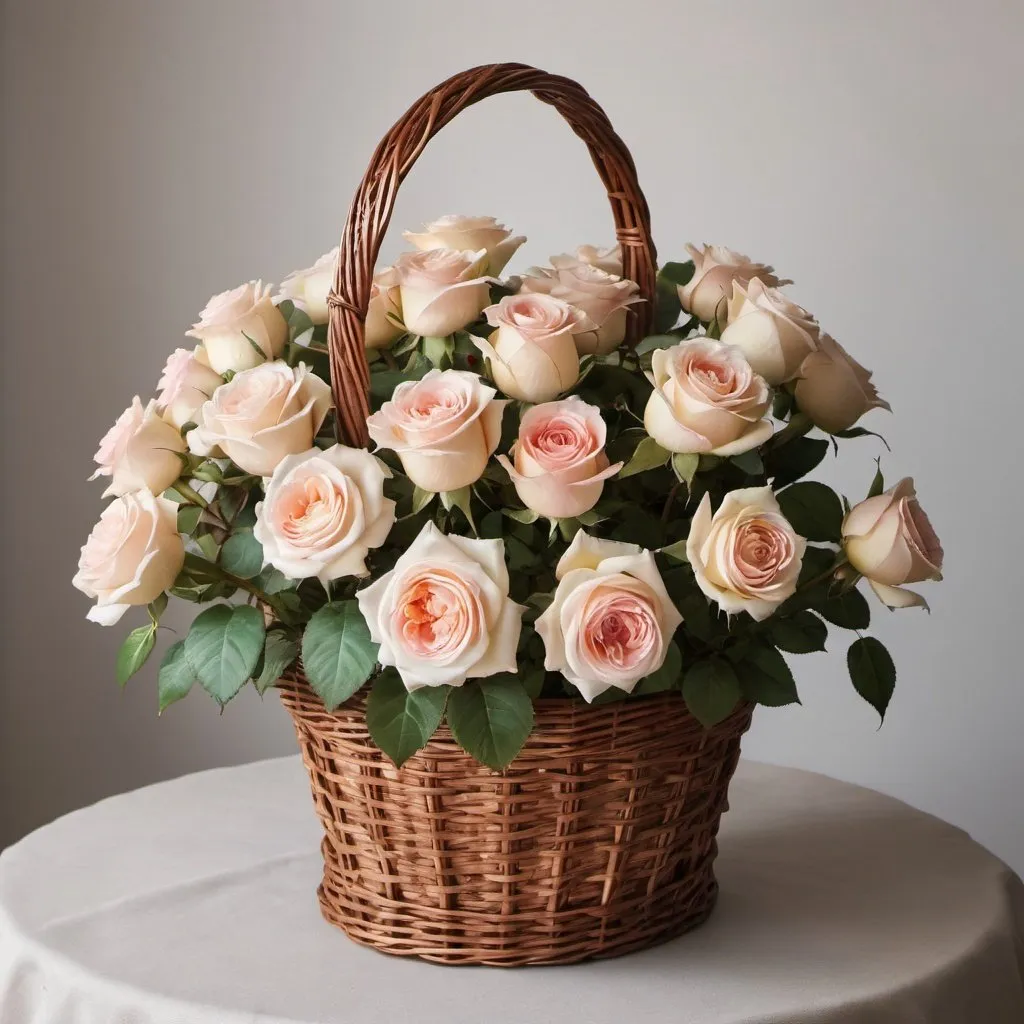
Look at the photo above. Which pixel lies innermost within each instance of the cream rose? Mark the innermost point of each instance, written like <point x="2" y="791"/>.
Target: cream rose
<point x="323" y="512"/>
<point x="715" y="270"/>
<point x="140" y="451"/>
<point x="889" y="540"/>
<point x="833" y="389"/>
<point x="131" y="557"/>
<point x="706" y="399"/>
<point x="443" y="428"/>
<point x="443" y="614"/>
<point x="558" y="464"/>
<point x="439" y="290"/>
<point x="187" y="382"/>
<point x="308" y="289"/>
<point x="383" y="314"/>
<point x="611" y="619"/>
<point x="775" y="335"/>
<point x="603" y="298"/>
<point x="261" y="416"/>
<point x="746" y="557"/>
<point x="456" y="231"/>
<point x="533" y="355"/>
<point x="236" y="323"/>
<point x="608" y="260"/>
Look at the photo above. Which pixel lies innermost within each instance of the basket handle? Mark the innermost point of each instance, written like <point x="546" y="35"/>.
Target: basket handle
<point x="371" y="208"/>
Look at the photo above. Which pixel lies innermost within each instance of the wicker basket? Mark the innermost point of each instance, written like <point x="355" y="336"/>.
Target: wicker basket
<point x="599" y="839"/>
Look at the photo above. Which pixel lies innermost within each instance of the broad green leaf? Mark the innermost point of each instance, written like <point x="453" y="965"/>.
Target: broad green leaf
<point x="656" y="341"/>
<point x="794" y="459"/>
<point x="813" y="510"/>
<point x="749" y="462"/>
<point x="188" y="518"/>
<point x="667" y="676"/>
<point x="273" y="581"/>
<point x="782" y="404"/>
<point x="711" y="690"/>
<point x="278" y="653"/>
<point x="421" y="499"/>
<point x="677" y="273"/>
<point x="848" y="609"/>
<point x="878" y="483"/>
<point x="223" y="647"/>
<point x="157" y="607"/>
<point x="872" y="672"/>
<point x="667" y="307"/>
<point x="400" y="722"/>
<point x="677" y="551"/>
<point x="208" y="545"/>
<point x="648" y="455"/>
<point x="533" y="682"/>
<point x="800" y="633"/>
<point x="766" y="678"/>
<point x="522" y="515"/>
<point x="137" y="647"/>
<point x="242" y="555"/>
<point x="685" y="466"/>
<point x="460" y="499"/>
<point x="337" y="652"/>
<point x="176" y="677"/>
<point x="491" y="719"/>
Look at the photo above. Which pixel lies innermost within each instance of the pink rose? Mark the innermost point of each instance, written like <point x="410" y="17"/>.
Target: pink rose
<point x="558" y="464"/>
<point x="187" y="382"/>
<point x="611" y="619"/>
<point x="455" y="231"/>
<point x="443" y="614"/>
<point x="608" y="260"/>
<point x="383" y="315"/>
<point x="443" y="428"/>
<point x="746" y="557"/>
<point x="706" y="399"/>
<point x="715" y="270"/>
<point x="323" y="512"/>
<point x="833" y="389"/>
<point x="308" y="289"/>
<point x="241" y="328"/>
<point x="889" y="540"/>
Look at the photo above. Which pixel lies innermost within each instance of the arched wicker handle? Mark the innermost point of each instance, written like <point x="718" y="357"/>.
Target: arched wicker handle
<point x="374" y="200"/>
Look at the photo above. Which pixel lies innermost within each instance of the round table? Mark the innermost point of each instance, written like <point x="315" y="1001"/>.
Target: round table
<point x="193" y="902"/>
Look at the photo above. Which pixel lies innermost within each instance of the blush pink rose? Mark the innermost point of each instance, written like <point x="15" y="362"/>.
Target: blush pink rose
<point x="241" y="328"/>
<point x="456" y="231"/>
<point x="187" y="382"/>
<point x="444" y="428"/>
<point x="558" y="464"/>
<point x="611" y="619"/>
<point x="716" y="269"/>
<point x="609" y="260"/>
<point x="308" y="288"/>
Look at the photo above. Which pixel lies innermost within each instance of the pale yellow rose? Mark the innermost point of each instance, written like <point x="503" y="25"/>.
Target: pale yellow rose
<point x="140" y="451"/>
<point x="715" y="270"/>
<point x="308" y="289"/>
<point x="187" y="382"/>
<point x="456" y="231"/>
<point x="241" y="328"/>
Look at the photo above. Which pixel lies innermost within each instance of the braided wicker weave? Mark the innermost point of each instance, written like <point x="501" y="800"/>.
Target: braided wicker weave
<point x="599" y="839"/>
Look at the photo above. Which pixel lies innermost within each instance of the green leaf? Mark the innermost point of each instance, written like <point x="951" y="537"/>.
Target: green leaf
<point x="878" y="483"/>
<point x="400" y="722"/>
<point x="157" y="607"/>
<point x="711" y="690"/>
<point x="208" y="545"/>
<point x="256" y="347"/>
<point x="491" y="718"/>
<point x="813" y="510"/>
<point x="861" y="432"/>
<point x="794" y="459"/>
<point x="533" y="682"/>
<point x="677" y="551"/>
<point x="782" y="404"/>
<point x="800" y="633"/>
<point x="337" y="652"/>
<point x="223" y="647"/>
<point x="278" y="653"/>
<point x="667" y="676"/>
<point x="648" y="455"/>
<point x="667" y="307"/>
<point x="848" y="609"/>
<point x="176" y="677"/>
<point x="766" y="678"/>
<point x="137" y="647"/>
<point x="188" y="518"/>
<point x="421" y="499"/>
<point x="685" y="466"/>
<point x="242" y="555"/>
<point x="656" y="341"/>
<point x="273" y="581"/>
<point x="522" y="515"/>
<point x="872" y="672"/>
<point x="677" y="273"/>
<point x="749" y="462"/>
<point x="460" y="499"/>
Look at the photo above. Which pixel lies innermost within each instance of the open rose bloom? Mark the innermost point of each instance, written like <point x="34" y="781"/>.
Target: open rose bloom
<point x="546" y="500"/>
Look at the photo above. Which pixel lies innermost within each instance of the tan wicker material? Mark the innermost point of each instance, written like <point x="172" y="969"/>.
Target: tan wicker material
<point x="598" y="840"/>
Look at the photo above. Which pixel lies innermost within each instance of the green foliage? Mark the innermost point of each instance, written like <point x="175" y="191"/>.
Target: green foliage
<point x="242" y="555"/>
<point x="711" y="690"/>
<point x="685" y="465"/>
<point x="749" y="462"/>
<point x="491" y="718"/>
<point x="813" y="510"/>
<point x="400" y="722"/>
<point x="878" y="482"/>
<point x="137" y="647"/>
<point x="176" y="677"/>
<point x="223" y="647"/>
<point x="188" y="518"/>
<point x="279" y="651"/>
<point x="800" y="633"/>
<point x="846" y="608"/>
<point x="668" y="677"/>
<point x="872" y="672"/>
<point x="794" y="459"/>
<point x="765" y="678"/>
<point x="337" y="652"/>
<point x="647" y="455"/>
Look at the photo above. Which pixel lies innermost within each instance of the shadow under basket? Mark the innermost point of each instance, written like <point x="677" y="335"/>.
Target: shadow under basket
<point x="598" y="839"/>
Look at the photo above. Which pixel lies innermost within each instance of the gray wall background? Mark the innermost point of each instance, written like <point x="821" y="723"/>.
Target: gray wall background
<point x="157" y="152"/>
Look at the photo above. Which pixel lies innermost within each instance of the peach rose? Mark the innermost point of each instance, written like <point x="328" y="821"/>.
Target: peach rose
<point x="140" y="451"/>
<point x="775" y="335"/>
<point x="439" y="290"/>
<point x="611" y="619"/>
<point x="261" y="416"/>
<point x="443" y="614"/>
<point x="603" y="298"/>
<point x="834" y="389"/>
<point x="456" y="231"/>
<point x="706" y="399"/>
<point x="238" y="325"/>
<point x="532" y="352"/>
<point x="322" y="513"/>
<point x="558" y="464"/>
<point x="746" y="557"/>
<point x="609" y="260"/>
<point x="715" y="270"/>
<point x="131" y="557"/>
<point x="443" y="428"/>
<point x="889" y="540"/>
<point x="308" y="289"/>
<point x="383" y="314"/>
<point x="187" y="382"/>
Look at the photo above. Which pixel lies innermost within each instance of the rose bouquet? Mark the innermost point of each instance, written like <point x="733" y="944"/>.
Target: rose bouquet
<point x="545" y="513"/>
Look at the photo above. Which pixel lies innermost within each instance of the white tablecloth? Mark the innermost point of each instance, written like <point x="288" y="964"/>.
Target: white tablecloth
<point x="193" y="902"/>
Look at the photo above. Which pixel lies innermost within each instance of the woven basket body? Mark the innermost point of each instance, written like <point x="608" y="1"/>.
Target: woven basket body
<point x="598" y="840"/>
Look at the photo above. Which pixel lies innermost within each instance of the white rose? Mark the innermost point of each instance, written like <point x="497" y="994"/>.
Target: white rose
<point x="261" y="416"/>
<point x="131" y="557"/>
<point x="443" y="614"/>
<point x="237" y="323"/>
<point x="890" y="540"/>
<point x="308" y="289"/>
<point x="706" y="399"/>
<point x="608" y="260"/>
<point x="323" y="512"/>
<point x="715" y="270"/>
<point x="533" y="355"/>
<point x="611" y="619"/>
<point x="188" y="380"/>
<point x="834" y="389"/>
<point x="140" y="451"/>
<point x="455" y="231"/>
<point x="775" y="334"/>
<point x="746" y="557"/>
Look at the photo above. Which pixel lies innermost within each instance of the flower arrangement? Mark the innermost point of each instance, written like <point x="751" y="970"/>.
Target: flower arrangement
<point x="546" y="512"/>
